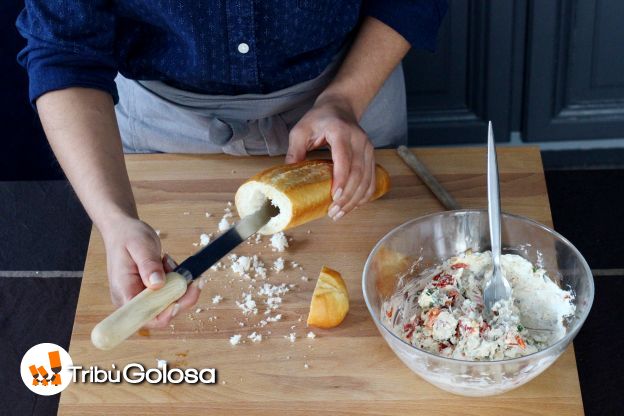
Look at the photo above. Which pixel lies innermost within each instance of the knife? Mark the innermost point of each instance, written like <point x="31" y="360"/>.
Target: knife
<point x="130" y="317"/>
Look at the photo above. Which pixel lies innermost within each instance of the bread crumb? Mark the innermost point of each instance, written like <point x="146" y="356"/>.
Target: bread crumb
<point x="186" y="213"/>
<point x="198" y="310"/>
<point x="311" y="335"/>
<point x="274" y="318"/>
<point x="235" y="339"/>
<point x="241" y="265"/>
<point x="278" y="264"/>
<point x="273" y="294"/>
<point x="224" y="225"/>
<point x="255" y="337"/>
<point x="157" y="232"/>
<point x="270" y="290"/>
<point x="258" y="266"/>
<point x="216" y="299"/>
<point x="273" y="302"/>
<point x="291" y="337"/>
<point x="305" y="279"/>
<point x="279" y="241"/>
<point x="306" y="366"/>
<point x="248" y="305"/>
<point x="204" y="239"/>
<point x="161" y="363"/>
<point x="208" y="215"/>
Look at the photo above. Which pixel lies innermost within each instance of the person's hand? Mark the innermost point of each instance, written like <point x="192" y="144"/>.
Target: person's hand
<point x="332" y="122"/>
<point x="134" y="262"/>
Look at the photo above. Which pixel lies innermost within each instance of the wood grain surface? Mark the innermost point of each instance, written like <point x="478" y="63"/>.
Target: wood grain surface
<point x="350" y="370"/>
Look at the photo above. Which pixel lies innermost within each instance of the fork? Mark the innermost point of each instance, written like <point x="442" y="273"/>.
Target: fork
<point x="497" y="288"/>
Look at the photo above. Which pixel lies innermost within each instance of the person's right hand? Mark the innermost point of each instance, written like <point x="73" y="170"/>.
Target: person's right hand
<point x="134" y="262"/>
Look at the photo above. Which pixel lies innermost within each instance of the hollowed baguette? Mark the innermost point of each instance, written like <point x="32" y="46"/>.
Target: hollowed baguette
<point x="301" y="191"/>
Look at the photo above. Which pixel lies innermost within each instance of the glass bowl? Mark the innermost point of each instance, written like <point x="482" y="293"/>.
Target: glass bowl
<point x="434" y="238"/>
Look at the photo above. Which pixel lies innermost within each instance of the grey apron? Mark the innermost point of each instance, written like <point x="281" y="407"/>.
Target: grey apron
<point x="156" y="117"/>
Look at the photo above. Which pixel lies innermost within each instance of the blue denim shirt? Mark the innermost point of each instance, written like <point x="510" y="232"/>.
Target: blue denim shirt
<point x="213" y="47"/>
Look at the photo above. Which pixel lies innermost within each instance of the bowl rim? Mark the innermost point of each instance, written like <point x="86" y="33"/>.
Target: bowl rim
<point x="563" y="341"/>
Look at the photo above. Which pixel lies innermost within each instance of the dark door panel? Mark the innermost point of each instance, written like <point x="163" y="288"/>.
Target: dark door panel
<point x="575" y="70"/>
<point x="452" y="93"/>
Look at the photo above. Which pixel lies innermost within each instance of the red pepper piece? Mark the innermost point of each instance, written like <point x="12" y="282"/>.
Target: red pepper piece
<point x="443" y="281"/>
<point x="520" y="342"/>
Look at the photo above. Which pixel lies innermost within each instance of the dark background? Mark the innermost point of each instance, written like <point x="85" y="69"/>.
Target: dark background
<point x="25" y="152"/>
<point x="544" y="71"/>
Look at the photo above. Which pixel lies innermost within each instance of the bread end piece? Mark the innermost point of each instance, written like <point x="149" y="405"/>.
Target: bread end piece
<point x="330" y="301"/>
<point x="301" y="191"/>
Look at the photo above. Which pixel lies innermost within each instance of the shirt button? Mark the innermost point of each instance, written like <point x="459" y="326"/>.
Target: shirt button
<point x="243" y="48"/>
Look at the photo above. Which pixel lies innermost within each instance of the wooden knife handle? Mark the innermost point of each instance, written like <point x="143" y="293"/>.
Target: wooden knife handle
<point x="126" y="320"/>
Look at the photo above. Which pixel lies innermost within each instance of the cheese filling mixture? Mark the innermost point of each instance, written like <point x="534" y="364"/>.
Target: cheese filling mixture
<point x="441" y="311"/>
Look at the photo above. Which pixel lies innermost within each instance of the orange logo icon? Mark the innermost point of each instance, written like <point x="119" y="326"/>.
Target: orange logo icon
<point x="45" y="369"/>
<point x="55" y="366"/>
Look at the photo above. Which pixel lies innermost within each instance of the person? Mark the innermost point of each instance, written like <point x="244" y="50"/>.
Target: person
<point x="241" y="77"/>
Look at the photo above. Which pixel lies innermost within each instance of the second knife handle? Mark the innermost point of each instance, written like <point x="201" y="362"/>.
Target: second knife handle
<point x="142" y="308"/>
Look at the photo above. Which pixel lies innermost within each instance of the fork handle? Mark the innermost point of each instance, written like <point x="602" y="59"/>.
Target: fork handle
<point x="494" y="211"/>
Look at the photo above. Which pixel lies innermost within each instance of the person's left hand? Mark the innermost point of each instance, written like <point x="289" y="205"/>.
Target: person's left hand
<point x="332" y="122"/>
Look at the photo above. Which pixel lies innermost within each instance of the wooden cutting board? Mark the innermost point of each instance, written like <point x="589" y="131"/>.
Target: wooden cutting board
<point x="350" y="370"/>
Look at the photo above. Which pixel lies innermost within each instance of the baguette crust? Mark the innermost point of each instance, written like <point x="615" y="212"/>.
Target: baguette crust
<point x="330" y="301"/>
<point x="302" y="192"/>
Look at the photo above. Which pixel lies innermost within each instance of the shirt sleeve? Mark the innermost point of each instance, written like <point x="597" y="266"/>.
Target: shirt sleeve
<point x="69" y="44"/>
<point x="417" y="21"/>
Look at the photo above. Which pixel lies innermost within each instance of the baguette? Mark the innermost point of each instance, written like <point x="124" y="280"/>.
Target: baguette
<point x="301" y="191"/>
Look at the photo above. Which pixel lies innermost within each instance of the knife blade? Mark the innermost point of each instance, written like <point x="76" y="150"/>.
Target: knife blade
<point x="142" y="308"/>
<point x="194" y="266"/>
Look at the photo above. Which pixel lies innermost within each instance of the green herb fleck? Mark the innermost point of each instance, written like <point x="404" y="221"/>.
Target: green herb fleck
<point x="520" y="328"/>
